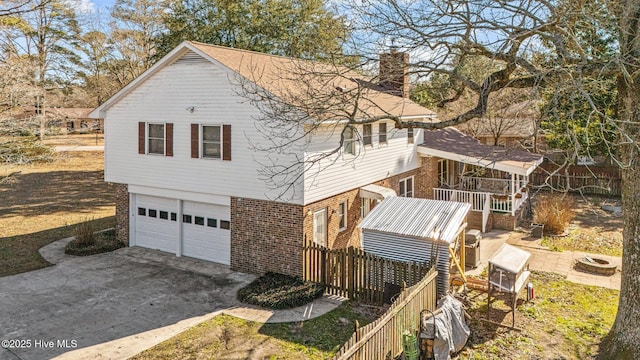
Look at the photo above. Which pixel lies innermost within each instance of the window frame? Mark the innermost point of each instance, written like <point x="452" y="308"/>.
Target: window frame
<point x="406" y="193"/>
<point x="342" y="216"/>
<point x="201" y="141"/>
<point x="382" y="134"/>
<point x="148" y="138"/>
<point x="348" y="142"/>
<point x="443" y="173"/>
<point x="410" y="135"/>
<point x="367" y="139"/>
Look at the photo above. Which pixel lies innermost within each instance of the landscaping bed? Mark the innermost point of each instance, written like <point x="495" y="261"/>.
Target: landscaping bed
<point x="278" y="291"/>
<point x="104" y="241"/>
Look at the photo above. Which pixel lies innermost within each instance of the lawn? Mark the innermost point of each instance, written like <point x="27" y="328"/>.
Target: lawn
<point x="565" y="321"/>
<point x="42" y="202"/>
<point x="228" y="337"/>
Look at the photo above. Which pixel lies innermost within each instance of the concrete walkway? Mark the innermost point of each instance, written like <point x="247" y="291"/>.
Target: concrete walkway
<point x="54" y="253"/>
<point x="124" y="344"/>
<point x="542" y="259"/>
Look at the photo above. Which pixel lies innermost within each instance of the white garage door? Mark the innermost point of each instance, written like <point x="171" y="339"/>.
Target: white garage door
<point x="156" y="223"/>
<point x="206" y="234"/>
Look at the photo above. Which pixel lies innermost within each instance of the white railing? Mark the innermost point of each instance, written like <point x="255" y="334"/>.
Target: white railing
<point x="484" y="202"/>
<point x="476" y="199"/>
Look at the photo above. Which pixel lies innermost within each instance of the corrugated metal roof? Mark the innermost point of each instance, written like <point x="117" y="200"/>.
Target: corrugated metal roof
<point x="423" y="218"/>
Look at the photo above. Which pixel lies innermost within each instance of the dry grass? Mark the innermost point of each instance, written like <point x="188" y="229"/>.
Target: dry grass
<point x="554" y="211"/>
<point x="75" y="140"/>
<point x="42" y="202"/>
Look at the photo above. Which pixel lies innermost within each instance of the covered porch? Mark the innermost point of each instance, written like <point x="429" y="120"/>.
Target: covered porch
<point x="490" y="178"/>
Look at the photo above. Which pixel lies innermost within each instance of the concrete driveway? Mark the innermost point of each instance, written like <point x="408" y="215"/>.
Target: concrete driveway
<point x="137" y="294"/>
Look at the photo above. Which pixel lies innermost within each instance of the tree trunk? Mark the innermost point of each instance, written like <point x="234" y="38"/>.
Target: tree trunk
<point x="624" y="340"/>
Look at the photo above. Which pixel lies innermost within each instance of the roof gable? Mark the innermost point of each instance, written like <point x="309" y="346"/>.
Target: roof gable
<point x="287" y="78"/>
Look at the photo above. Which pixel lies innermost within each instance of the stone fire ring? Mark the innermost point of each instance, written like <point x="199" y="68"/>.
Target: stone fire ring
<point x="596" y="266"/>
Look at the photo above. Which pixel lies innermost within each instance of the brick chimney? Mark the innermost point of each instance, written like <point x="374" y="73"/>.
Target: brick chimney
<point x="394" y="73"/>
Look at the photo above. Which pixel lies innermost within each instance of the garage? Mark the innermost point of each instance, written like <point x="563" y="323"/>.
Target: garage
<point x="205" y="228"/>
<point x="156" y="223"/>
<point x="206" y="234"/>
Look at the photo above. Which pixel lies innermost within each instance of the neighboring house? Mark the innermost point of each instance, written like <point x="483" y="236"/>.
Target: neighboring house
<point x="179" y="141"/>
<point x="513" y="126"/>
<point x="75" y="120"/>
<point x="71" y="120"/>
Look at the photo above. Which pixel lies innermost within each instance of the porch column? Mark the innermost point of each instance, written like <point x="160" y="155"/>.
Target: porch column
<point x="513" y="194"/>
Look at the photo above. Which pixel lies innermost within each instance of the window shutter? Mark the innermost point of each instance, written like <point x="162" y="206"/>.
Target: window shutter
<point x="195" y="141"/>
<point x="141" y="128"/>
<point x="168" y="140"/>
<point x="226" y="142"/>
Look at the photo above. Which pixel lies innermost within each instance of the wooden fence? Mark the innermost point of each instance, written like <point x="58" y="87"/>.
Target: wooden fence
<point x="382" y="339"/>
<point x="358" y="275"/>
<point x="596" y="180"/>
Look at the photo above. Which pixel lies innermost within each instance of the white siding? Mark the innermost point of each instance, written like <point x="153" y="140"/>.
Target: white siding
<point x="212" y="91"/>
<point x="340" y="173"/>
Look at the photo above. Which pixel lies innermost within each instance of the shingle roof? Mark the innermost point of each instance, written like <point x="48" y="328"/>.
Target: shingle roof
<point x="453" y="144"/>
<point x="294" y="80"/>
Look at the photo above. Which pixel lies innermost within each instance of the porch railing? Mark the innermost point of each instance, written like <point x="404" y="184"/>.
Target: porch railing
<point x="484" y="202"/>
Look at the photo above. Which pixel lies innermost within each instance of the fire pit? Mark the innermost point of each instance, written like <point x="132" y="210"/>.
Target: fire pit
<point x="595" y="266"/>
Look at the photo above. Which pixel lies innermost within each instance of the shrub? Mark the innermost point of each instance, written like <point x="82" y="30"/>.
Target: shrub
<point x="555" y="212"/>
<point x="85" y="233"/>
<point x="278" y="291"/>
<point x="103" y="242"/>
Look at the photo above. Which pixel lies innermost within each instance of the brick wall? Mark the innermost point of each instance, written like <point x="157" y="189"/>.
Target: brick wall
<point x="122" y="212"/>
<point x="506" y="221"/>
<point x="424" y="179"/>
<point x="474" y="221"/>
<point x="336" y="238"/>
<point x="266" y="236"/>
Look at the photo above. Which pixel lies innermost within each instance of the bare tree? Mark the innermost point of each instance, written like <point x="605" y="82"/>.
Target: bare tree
<point x="13" y="8"/>
<point x="531" y="45"/>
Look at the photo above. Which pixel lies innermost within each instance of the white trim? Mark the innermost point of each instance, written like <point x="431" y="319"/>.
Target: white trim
<point x="201" y="141"/>
<point x="184" y="195"/>
<point x="413" y="189"/>
<point x="132" y="219"/>
<point x="147" y="138"/>
<point x="323" y="213"/>
<point x="179" y="228"/>
<point x="376" y="192"/>
<point x="344" y="215"/>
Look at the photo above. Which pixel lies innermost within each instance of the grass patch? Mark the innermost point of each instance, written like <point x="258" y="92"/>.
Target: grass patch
<point x="102" y="242"/>
<point x="278" y="291"/>
<point x="566" y="320"/>
<point x="228" y="337"/>
<point x="591" y="242"/>
<point x="20" y="253"/>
